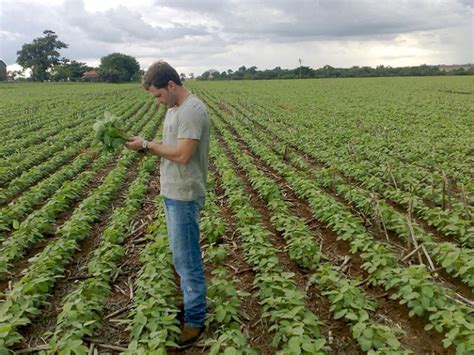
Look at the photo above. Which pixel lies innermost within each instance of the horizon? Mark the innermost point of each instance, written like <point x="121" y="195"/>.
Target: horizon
<point x="263" y="69"/>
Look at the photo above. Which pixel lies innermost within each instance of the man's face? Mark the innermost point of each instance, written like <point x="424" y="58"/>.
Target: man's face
<point x="163" y="95"/>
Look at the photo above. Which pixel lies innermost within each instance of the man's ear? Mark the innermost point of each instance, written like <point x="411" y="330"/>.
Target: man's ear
<point x="171" y="85"/>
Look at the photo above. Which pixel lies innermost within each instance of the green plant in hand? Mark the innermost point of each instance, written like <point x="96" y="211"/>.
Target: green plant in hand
<point x="109" y="134"/>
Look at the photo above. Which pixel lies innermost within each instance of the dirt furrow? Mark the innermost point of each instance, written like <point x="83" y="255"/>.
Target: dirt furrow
<point x="315" y="302"/>
<point x="442" y="276"/>
<point x="75" y="271"/>
<point x="120" y="299"/>
<point x="338" y="252"/>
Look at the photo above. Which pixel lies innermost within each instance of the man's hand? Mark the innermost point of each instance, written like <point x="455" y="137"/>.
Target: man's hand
<point x="134" y="143"/>
<point x="180" y="153"/>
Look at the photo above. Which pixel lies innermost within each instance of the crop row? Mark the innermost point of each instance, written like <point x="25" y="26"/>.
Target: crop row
<point x="383" y="136"/>
<point x="13" y="148"/>
<point x="11" y="215"/>
<point x="222" y="293"/>
<point x="454" y="221"/>
<point x="459" y="262"/>
<point x="347" y="300"/>
<point x="24" y="300"/>
<point x="41" y="110"/>
<point x="153" y="318"/>
<point x="40" y="222"/>
<point x="81" y="309"/>
<point x="449" y="215"/>
<point x="13" y="132"/>
<point x="47" y="142"/>
<point x="53" y="120"/>
<point x="30" y="177"/>
<point x="27" y="158"/>
<point x="296" y="329"/>
<point x="412" y="285"/>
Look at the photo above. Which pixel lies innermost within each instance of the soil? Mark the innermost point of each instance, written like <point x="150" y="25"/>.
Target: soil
<point x="315" y="302"/>
<point x="253" y="326"/>
<point x="76" y="270"/>
<point x="389" y="311"/>
<point x="20" y="266"/>
<point x="111" y="332"/>
<point x="440" y="275"/>
<point x="37" y="332"/>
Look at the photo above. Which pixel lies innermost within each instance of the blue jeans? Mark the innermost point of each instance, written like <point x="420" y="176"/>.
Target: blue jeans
<point x="182" y="219"/>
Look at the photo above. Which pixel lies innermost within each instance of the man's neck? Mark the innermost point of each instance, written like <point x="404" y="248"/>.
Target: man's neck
<point x="181" y="95"/>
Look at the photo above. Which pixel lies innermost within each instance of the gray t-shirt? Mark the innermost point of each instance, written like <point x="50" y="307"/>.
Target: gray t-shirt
<point x="186" y="182"/>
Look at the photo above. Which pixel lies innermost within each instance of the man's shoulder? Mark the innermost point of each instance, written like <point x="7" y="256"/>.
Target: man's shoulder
<point x="195" y="107"/>
<point x="195" y="101"/>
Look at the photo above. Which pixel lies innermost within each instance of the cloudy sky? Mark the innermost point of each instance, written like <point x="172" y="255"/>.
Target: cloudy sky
<point x="224" y="34"/>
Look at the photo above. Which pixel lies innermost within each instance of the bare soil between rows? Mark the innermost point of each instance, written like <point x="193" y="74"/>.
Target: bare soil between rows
<point x="388" y="310"/>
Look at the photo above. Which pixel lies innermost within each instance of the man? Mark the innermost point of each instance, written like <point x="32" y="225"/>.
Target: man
<point x="184" y="159"/>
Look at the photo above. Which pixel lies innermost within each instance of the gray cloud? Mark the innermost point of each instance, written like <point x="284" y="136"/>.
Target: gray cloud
<point x="290" y="20"/>
<point x="224" y="34"/>
<point x="89" y="34"/>
<point x="121" y="25"/>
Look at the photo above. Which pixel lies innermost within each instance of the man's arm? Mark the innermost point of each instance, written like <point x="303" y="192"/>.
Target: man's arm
<point x="181" y="153"/>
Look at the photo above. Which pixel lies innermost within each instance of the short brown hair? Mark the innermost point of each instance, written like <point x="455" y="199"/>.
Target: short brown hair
<point x="159" y="74"/>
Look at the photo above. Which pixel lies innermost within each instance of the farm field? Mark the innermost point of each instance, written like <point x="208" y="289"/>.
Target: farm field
<point x="339" y="219"/>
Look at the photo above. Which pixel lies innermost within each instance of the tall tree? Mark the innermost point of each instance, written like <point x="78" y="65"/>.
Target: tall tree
<point x="40" y="55"/>
<point x="118" y="67"/>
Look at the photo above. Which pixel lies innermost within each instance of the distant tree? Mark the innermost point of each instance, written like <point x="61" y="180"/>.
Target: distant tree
<point x="304" y="72"/>
<point x="118" y="67"/>
<point x="69" y="70"/>
<point x="182" y="76"/>
<point x="327" y="71"/>
<point x="252" y="69"/>
<point x="41" y="55"/>
<point x="206" y="75"/>
<point x="191" y="76"/>
<point x="77" y="69"/>
<point x="60" y="71"/>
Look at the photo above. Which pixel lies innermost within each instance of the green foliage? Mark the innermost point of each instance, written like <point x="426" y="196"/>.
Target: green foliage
<point x="29" y="294"/>
<point x="81" y="310"/>
<point x="40" y="55"/>
<point x="328" y="71"/>
<point x="109" y="133"/>
<point x="413" y="286"/>
<point x="154" y="325"/>
<point x="223" y="296"/>
<point x="66" y="70"/>
<point x="345" y="190"/>
<point x="295" y="328"/>
<point x="346" y="298"/>
<point x="118" y="67"/>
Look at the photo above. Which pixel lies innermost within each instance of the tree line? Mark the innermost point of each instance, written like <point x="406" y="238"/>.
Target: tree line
<point x="305" y="72"/>
<point x="43" y="58"/>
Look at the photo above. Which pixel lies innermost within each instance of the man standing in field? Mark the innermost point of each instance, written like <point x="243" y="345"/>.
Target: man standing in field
<point x="184" y="162"/>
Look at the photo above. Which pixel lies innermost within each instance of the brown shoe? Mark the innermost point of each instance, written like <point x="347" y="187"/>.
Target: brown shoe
<point x="189" y="335"/>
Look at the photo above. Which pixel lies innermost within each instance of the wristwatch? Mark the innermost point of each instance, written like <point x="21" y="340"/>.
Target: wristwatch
<point x="145" y="144"/>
